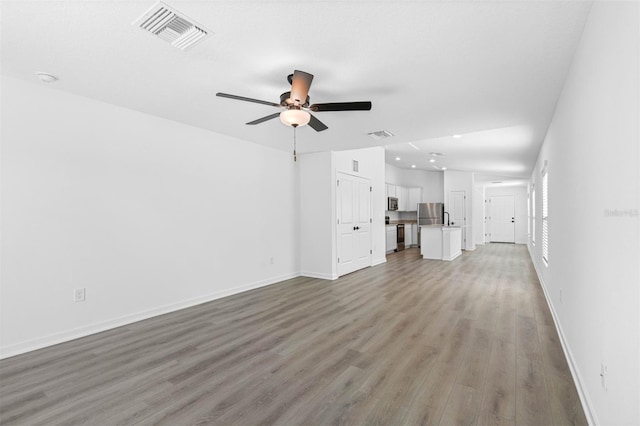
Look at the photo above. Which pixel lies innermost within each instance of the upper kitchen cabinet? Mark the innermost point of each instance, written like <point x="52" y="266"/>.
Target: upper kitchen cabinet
<point x="391" y="190"/>
<point x="403" y="198"/>
<point x="408" y="198"/>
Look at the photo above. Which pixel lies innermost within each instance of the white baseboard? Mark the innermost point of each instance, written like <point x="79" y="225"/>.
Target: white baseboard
<point x="453" y="257"/>
<point x="319" y="275"/>
<point x="575" y="373"/>
<point x="379" y="261"/>
<point x="76" y="333"/>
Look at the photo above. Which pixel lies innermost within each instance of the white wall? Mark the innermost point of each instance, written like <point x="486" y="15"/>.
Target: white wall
<point x="430" y="182"/>
<point x="592" y="151"/>
<point x="316" y="215"/>
<point x="462" y="181"/>
<point x="147" y="214"/>
<point x="520" y="195"/>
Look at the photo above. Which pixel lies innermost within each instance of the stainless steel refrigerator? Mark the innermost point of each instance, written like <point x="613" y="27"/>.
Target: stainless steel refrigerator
<point x="430" y="214"/>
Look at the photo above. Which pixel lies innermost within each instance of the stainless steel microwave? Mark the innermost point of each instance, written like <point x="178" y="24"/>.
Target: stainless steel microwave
<point x="393" y="203"/>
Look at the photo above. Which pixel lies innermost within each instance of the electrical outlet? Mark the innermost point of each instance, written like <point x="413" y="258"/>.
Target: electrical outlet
<point x="79" y="295"/>
<point x="603" y="376"/>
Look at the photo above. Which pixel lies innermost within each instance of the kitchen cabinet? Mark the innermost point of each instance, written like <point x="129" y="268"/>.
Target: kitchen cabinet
<point x="414" y="198"/>
<point x="392" y="238"/>
<point x="391" y="190"/>
<point x="408" y="198"/>
<point x="403" y="198"/>
<point x="414" y="234"/>
<point x="440" y="242"/>
<point x="408" y="239"/>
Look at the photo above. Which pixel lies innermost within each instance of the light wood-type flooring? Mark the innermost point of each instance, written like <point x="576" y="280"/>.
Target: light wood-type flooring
<point x="409" y="342"/>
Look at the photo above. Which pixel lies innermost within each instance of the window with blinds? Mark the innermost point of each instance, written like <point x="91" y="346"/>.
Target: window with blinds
<point x="545" y="216"/>
<point x="533" y="214"/>
<point x="529" y="214"/>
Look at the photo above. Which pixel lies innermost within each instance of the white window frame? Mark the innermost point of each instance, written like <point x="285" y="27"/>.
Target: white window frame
<point x="545" y="217"/>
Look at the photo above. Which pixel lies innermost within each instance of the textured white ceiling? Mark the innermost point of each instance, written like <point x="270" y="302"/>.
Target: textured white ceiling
<point x="490" y="70"/>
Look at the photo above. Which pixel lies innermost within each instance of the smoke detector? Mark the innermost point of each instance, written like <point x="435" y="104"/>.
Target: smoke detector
<point x="172" y="26"/>
<point x="46" y="77"/>
<point x="381" y="134"/>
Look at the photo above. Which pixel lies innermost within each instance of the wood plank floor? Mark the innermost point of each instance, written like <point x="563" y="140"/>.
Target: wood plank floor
<point x="411" y="341"/>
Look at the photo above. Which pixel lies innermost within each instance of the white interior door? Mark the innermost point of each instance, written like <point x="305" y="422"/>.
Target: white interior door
<point x="457" y="213"/>
<point x="502" y="226"/>
<point x="354" y="223"/>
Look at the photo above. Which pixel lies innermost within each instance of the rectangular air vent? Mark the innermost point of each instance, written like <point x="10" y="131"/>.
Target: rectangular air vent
<point x="172" y="26"/>
<point x="382" y="134"/>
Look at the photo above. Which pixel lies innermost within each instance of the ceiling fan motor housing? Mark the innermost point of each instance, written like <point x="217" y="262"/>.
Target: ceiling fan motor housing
<point x="286" y="101"/>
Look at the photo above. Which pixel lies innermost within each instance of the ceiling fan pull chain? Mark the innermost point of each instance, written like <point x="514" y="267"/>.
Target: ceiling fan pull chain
<point x="295" y="158"/>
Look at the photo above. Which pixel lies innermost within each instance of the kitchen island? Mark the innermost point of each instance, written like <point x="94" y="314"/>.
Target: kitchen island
<point x="440" y="242"/>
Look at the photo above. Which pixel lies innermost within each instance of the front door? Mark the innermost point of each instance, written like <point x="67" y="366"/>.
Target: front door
<point x="502" y="226"/>
<point x="354" y="223"/>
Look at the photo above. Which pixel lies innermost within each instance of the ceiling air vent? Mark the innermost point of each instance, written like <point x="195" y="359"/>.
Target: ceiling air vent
<point x="382" y="134"/>
<point x="172" y="26"/>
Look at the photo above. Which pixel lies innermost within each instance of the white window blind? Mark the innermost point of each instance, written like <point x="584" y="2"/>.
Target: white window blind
<point x="529" y="214"/>
<point x="545" y="216"/>
<point x="533" y="214"/>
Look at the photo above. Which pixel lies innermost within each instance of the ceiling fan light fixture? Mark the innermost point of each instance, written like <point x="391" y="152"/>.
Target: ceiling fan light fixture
<point x="295" y="117"/>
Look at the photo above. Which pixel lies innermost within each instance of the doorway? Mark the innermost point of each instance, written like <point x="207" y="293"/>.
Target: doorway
<point x="353" y="203"/>
<point x="457" y="212"/>
<point x="502" y="220"/>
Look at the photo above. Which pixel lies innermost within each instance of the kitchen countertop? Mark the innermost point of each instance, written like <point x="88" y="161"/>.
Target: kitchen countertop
<point x="405" y="222"/>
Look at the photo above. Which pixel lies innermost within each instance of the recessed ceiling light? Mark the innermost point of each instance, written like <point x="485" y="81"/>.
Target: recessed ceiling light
<point x="457" y="136"/>
<point x="432" y="160"/>
<point x="397" y="158"/>
<point x="436" y="154"/>
<point x="444" y="168"/>
<point x="46" y="77"/>
<point x="497" y="181"/>
<point x="413" y="166"/>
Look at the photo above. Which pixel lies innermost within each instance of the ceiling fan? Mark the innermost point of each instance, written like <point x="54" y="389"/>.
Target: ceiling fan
<point x="295" y="104"/>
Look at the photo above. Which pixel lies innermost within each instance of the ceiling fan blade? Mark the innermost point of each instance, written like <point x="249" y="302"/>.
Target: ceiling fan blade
<point x="263" y="119"/>
<point x="341" y="106"/>
<point x="316" y="124"/>
<point x="300" y="83"/>
<point x="242" y="98"/>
